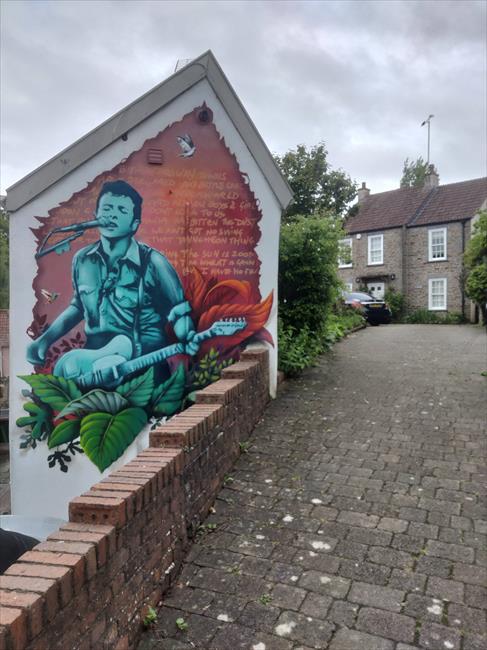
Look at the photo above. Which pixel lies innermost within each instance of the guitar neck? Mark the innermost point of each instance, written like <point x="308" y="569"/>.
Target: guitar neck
<point x="149" y="359"/>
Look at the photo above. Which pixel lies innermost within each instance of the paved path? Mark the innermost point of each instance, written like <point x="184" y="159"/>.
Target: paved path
<point x="357" y="519"/>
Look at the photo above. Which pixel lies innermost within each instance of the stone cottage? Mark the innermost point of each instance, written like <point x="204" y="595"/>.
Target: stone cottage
<point x="412" y="240"/>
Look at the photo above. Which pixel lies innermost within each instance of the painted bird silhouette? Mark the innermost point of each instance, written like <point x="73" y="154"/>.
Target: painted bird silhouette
<point x="187" y="145"/>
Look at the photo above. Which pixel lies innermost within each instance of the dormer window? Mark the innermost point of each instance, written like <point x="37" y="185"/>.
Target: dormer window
<point x="436" y="244"/>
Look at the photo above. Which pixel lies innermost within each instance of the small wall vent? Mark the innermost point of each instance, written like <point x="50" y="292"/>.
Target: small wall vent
<point x="155" y="157"/>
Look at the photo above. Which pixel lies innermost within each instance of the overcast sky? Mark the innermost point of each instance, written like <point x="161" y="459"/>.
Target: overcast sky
<point x="361" y="76"/>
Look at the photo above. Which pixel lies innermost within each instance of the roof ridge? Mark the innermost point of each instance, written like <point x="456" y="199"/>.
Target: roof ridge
<point x="422" y="206"/>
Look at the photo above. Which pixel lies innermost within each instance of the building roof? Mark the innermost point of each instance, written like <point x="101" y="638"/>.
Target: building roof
<point x="204" y="67"/>
<point x="412" y="206"/>
<point x="4" y="327"/>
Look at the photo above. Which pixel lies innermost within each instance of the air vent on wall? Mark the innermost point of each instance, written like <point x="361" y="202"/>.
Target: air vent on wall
<point x="155" y="157"/>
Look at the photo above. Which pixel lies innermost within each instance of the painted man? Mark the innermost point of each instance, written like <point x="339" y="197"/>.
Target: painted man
<point x="120" y="285"/>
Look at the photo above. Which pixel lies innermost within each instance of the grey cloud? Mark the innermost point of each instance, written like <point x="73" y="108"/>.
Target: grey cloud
<point x="359" y="75"/>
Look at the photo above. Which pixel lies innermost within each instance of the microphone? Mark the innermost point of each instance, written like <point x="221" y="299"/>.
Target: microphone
<point x="84" y="225"/>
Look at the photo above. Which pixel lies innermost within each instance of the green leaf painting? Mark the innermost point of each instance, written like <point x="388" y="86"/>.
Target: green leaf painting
<point x="104" y="437"/>
<point x="138" y="391"/>
<point x="54" y="391"/>
<point x="39" y="419"/>
<point x="168" y="396"/>
<point x="95" y="400"/>
<point x="64" y="432"/>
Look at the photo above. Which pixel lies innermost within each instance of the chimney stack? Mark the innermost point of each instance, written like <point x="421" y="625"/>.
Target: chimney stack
<point x="363" y="193"/>
<point x="431" y="179"/>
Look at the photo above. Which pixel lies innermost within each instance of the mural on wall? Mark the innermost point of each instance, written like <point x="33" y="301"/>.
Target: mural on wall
<point x="147" y="287"/>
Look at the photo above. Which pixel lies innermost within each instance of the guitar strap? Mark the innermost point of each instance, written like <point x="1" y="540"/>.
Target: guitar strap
<point x="145" y="252"/>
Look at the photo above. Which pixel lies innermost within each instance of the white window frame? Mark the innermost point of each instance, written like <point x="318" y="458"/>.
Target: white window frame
<point x="430" y="244"/>
<point x="443" y="306"/>
<point x="347" y="241"/>
<point x="369" y="250"/>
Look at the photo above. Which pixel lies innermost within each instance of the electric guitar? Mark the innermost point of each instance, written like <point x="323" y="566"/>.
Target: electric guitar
<point x="111" y="364"/>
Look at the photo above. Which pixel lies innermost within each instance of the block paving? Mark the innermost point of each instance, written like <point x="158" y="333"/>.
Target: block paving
<point x="356" y="519"/>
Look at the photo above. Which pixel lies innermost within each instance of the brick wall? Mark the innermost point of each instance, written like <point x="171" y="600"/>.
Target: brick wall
<point x="89" y="585"/>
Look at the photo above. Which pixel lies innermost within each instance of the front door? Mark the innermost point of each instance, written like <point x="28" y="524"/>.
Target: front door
<point x="376" y="289"/>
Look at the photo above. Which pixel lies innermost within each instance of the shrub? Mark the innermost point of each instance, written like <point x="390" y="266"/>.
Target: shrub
<point x="423" y="316"/>
<point x="397" y="304"/>
<point x="308" y="279"/>
<point x="297" y="349"/>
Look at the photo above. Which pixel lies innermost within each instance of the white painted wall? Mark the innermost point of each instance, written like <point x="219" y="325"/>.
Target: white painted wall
<point x="35" y="488"/>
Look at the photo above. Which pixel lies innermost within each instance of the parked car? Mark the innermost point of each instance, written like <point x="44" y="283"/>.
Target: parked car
<point x="375" y="311"/>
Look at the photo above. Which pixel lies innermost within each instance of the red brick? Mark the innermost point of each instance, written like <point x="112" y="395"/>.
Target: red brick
<point x="240" y="370"/>
<point x="221" y="392"/>
<point x="47" y="588"/>
<point x="143" y="483"/>
<point x="62" y="574"/>
<point x="16" y="621"/>
<point x="169" y="438"/>
<point x="136" y="490"/>
<point x="98" y="529"/>
<point x="88" y="550"/>
<point x="32" y="603"/>
<point x="122" y="643"/>
<point x="91" y="510"/>
<point x="128" y="497"/>
<point x="98" y="539"/>
<point x="76" y="562"/>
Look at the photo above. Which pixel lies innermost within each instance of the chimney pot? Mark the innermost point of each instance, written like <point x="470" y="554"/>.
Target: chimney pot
<point x="363" y="193"/>
<point x="432" y="178"/>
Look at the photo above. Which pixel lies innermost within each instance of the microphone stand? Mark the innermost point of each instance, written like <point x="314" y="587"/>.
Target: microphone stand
<point x="45" y="251"/>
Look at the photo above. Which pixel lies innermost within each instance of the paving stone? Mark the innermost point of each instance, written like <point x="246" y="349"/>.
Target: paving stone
<point x="317" y="561"/>
<point x="358" y="519"/>
<point x="346" y="639"/>
<point x="255" y="566"/>
<point x="316" y="605"/>
<point x="225" y="608"/>
<point x="467" y="619"/>
<point x="386" y="624"/>
<point x="343" y="613"/>
<point x="407" y="580"/>
<point x="393" y="525"/>
<point x="423" y="530"/>
<point x="390" y="557"/>
<point x="259" y="616"/>
<point x="434" y="566"/>
<point x="449" y="590"/>
<point x="424" y="608"/>
<point x="214" y="580"/>
<point x="408" y="544"/>
<point x="189" y="600"/>
<point x="287" y="597"/>
<point x="413" y="514"/>
<point x="370" y="537"/>
<point x="304" y="629"/>
<point x="365" y="572"/>
<point x="474" y="641"/>
<point x="476" y="596"/>
<point x="474" y="575"/>
<point x="375" y="596"/>
<point x="439" y="637"/>
<point x="323" y="583"/>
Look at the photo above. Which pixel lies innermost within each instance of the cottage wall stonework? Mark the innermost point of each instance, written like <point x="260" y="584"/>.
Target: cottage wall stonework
<point x="420" y="270"/>
<point x="392" y="259"/>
